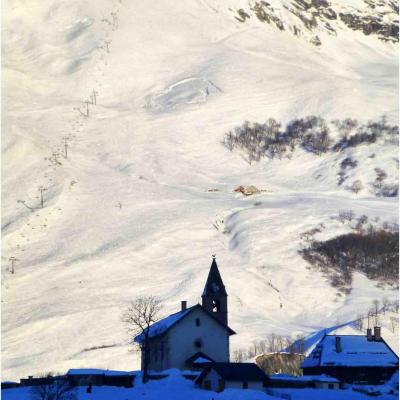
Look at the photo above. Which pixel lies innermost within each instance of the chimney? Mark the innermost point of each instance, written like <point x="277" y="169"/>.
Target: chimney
<point x="338" y="344"/>
<point x="183" y="305"/>
<point x="377" y="334"/>
<point x="369" y="334"/>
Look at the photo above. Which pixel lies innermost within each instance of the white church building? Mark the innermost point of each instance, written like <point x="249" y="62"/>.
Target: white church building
<point x="194" y="335"/>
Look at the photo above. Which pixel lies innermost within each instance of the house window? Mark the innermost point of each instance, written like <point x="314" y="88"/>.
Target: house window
<point x="198" y="343"/>
<point x="207" y="385"/>
<point x="162" y="351"/>
<point x="221" y="385"/>
<point x="245" y="385"/>
<point x="331" y="386"/>
<point x="197" y="321"/>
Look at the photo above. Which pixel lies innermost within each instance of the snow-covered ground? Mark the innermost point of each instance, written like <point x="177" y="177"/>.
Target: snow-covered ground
<point x="175" y="387"/>
<point x="128" y="212"/>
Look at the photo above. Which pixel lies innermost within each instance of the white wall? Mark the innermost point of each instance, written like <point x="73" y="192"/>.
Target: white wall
<point x="159" y="363"/>
<point x="181" y="337"/>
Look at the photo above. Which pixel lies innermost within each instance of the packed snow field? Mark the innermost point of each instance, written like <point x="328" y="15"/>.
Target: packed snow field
<point x="127" y="209"/>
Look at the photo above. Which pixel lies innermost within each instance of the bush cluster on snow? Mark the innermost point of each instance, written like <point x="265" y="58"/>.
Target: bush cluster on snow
<point x="383" y="189"/>
<point x="317" y="136"/>
<point x="347" y="164"/>
<point x="270" y="140"/>
<point x="312" y="133"/>
<point x="370" y="250"/>
<point x="376" y="313"/>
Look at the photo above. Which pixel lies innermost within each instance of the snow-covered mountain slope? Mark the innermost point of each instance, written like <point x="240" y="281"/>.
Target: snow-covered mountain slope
<point x="128" y="211"/>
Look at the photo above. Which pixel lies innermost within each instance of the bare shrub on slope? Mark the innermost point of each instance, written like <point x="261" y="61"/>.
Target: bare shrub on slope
<point x="311" y="133"/>
<point x="373" y="252"/>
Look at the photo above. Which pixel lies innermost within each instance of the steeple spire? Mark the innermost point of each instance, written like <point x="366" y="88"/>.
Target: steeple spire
<point x="214" y="297"/>
<point x="214" y="284"/>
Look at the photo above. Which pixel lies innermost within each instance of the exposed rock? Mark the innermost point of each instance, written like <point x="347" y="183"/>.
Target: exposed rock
<point x="370" y="25"/>
<point x="316" y="41"/>
<point x="265" y="13"/>
<point x="376" y="17"/>
<point x="242" y="15"/>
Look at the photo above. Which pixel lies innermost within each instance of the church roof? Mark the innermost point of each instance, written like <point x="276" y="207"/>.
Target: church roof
<point x="163" y="325"/>
<point x="214" y="284"/>
<point x="356" y="351"/>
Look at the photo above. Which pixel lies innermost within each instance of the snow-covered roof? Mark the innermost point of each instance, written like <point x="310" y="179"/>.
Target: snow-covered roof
<point x="95" y="371"/>
<point x="201" y="360"/>
<point x="305" y="378"/>
<point x="117" y="373"/>
<point x="161" y="326"/>
<point x="85" y="371"/>
<point x="356" y="351"/>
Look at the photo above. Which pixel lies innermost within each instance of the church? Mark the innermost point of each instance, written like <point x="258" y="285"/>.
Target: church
<point x="194" y="335"/>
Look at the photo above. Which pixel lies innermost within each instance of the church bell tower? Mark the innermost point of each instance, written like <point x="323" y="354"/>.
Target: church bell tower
<point x="214" y="297"/>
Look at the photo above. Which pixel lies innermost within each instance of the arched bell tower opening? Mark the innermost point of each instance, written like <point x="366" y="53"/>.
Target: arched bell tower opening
<point x="214" y="297"/>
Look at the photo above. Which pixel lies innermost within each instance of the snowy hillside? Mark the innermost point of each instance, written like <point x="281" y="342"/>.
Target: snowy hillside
<point x="126" y="203"/>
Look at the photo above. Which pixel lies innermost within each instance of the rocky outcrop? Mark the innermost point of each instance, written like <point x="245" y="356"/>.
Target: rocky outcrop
<point x="242" y="15"/>
<point x="265" y="13"/>
<point x="370" y="25"/>
<point x="310" y="18"/>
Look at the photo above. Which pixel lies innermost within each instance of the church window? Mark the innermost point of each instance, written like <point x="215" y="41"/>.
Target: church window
<point x="197" y="321"/>
<point x="198" y="343"/>
<point x="215" y="305"/>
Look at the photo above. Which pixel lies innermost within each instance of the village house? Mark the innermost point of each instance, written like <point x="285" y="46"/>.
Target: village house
<point x="353" y="358"/>
<point x="221" y="376"/>
<point x="194" y="335"/>
<point x="99" y="377"/>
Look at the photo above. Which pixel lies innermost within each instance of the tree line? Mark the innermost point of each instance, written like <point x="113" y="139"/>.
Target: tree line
<point x="313" y="134"/>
